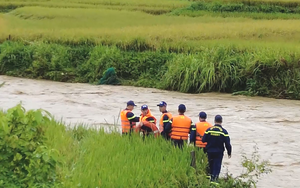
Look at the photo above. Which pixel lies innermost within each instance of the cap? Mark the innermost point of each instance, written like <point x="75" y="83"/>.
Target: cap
<point x="181" y="107"/>
<point x="144" y="107"/>
<point x="202" y="115"/>
<point x="162" y="103"/>
<point x="130" y="103"/>
<point x="218" y="118"/>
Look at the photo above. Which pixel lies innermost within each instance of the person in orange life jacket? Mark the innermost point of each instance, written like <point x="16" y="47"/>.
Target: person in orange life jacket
<point x="198" y="132"/>
<point x="147" y="123"/>
<point x="165" y="120"/>
<point x="216" y="137"/>
<point x="180" y="127"/>
<point x="128" y="119"/>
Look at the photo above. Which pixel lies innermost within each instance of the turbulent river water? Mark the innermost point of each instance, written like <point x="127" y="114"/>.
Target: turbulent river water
<point x="272" y="124"/>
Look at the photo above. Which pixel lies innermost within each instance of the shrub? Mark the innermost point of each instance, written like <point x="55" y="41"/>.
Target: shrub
<point x="26" y="159"/>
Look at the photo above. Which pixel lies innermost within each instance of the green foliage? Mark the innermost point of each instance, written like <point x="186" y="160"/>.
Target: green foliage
<point x="131" y="162"/>
<point x="37" y="151"/>
<point x="255" y="9"/>
<point x="128" y="64"/>
<point x="216" y="6"/>
<point x="49" y="61"/>
<point x="15" y="58"/>
<point x="254" y="168"/>
<point x="26" y="159"/>
<point x="261" y="71"/>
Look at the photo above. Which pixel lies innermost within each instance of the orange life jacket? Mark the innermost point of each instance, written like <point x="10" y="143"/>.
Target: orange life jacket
<point x="161" y="122"/>
<point x="125" y="123"/>
<point x="151" y="125"/>
<point x="201" y="127"/>
<point x="181" y="126"/>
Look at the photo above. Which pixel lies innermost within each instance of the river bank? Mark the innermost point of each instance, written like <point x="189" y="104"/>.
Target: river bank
<point x="248" y="120"/>
<point x="229" y="69"/>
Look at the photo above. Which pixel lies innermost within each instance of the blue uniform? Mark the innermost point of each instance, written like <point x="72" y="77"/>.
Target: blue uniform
<point x="131" y="117"/>
<point x="216" y="137"/>
<point x="193" y="134"/>
<point x="166" y="123"/>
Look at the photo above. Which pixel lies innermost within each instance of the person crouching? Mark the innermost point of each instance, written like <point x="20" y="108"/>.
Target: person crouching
<point x="147" y="123"/>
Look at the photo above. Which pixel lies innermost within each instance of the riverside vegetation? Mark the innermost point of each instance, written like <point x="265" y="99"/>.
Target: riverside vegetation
<point x="37" y="151"/>
<point x="240" y="47"/>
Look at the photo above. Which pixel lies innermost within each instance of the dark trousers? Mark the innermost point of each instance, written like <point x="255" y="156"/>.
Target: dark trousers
<point x="178" y="143"/>
<point x="215" y="163"/>
<point x="165" y="135"/>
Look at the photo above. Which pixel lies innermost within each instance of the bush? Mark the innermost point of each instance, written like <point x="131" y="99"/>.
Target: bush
<point x="15" y="58"/>
<point x="26" y="159"/>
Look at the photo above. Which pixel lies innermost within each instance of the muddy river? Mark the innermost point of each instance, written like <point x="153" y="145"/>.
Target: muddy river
<point x="270" y="123"/>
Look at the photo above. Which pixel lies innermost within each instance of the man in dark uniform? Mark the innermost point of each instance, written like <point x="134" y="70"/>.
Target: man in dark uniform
<point x="128" y="119"/>
<point x="165" y="120"/>
<point x="216" y="137"/>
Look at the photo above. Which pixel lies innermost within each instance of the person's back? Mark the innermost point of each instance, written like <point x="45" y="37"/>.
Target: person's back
<point x="181" y="126"/>
<point x="201" y="127"/>
<point x="216" y="137"/>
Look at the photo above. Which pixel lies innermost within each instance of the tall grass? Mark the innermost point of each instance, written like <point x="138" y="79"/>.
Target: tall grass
<point x="38" y="151"/>
<point x="258" y="71"/>
<point x="253" y="15"/>
<point x="228" y="70"/>
<point x="243" y="7"/>
<point x="249" y="9"/>
<point x="107" y="160"/>
<point x="286" y="3"/>
<point x="88" y="157"/>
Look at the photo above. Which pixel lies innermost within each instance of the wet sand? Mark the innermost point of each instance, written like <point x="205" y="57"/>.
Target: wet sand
<point x="271" y="123"/>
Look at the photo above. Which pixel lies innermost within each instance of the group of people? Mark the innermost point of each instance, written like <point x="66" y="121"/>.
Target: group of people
<point x="210" y="138"/>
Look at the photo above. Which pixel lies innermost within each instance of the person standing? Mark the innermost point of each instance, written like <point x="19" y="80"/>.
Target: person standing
<point x="197" y="134"/>
<point x="128" y="119"/>
<point x="181" y="127"/>
<point x="216" y="137"/>
<point x="199" y="130"/>
<point x="165" y="120"/>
